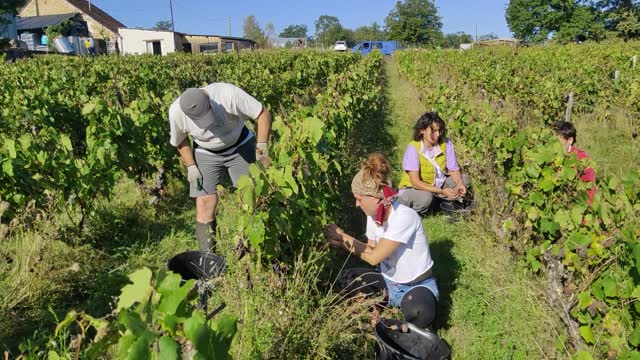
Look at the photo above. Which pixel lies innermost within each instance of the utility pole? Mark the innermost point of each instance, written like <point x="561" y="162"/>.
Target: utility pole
<point x="89" y="5"/>
<point x="229" y="25"/>
<point x="476" y="32"/>
<point x="173" y="26"/>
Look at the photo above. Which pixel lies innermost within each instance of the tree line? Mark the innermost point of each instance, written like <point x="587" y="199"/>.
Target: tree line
<point x="535" y="21"/>
<point x="413" y="22"/>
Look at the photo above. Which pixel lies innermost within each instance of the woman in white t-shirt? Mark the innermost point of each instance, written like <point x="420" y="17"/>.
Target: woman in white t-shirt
<point x="396" y="242"/>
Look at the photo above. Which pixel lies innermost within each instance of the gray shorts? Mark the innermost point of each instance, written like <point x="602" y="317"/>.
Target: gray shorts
<point x="214" y="167"/>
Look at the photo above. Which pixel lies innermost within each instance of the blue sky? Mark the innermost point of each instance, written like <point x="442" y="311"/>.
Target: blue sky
<point x="212" y="17"/>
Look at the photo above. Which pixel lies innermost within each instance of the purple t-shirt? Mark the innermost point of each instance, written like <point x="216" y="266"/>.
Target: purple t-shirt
<point x="411" y="161"/>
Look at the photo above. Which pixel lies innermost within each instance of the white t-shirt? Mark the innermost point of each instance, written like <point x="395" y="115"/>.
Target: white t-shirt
<point x="231" y="107"/>
<point x="412" y="258"/>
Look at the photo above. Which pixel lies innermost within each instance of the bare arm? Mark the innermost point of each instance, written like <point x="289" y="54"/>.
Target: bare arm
<point x="263" y="124"/>
<point x="372" y="255"/>
<point x="185" y="153"/>
<point x="457" y="177"/>
<point x="370" y="252"/>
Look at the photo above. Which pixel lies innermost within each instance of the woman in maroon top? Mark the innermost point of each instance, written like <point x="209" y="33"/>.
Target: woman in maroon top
<point x="566" y="133"/>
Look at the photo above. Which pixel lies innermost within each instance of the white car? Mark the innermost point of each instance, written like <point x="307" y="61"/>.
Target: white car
<point x="340" y="46"/>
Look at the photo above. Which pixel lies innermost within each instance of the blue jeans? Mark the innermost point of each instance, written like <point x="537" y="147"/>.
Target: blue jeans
<point x="397" y="290"/>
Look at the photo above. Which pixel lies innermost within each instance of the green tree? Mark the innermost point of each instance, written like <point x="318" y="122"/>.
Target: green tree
<point x="566" y="20"/>
<point x="326" y="25"/>
<point x="535" y="20"/>
<point x="490" y="36"/>
<point x="454" y="40"/>
<point x="372" y="32"/>
<point x="165" y="25"/>
<point x="10" y="7"/>
<point x="629" y="25"/>
<point x="294" y="31"/>
<point x="583" y="25"/>
<point x="253" y="31"/>
<point x="414" y="22"/>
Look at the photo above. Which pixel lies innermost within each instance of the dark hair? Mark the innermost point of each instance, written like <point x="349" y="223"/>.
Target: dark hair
<point x="565" y="129"/>
<point x="377" y="168"/>
<point x="425" y="121"/>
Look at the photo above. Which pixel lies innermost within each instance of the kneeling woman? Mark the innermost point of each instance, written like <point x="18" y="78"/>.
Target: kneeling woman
<point x="396" y="242"/>
<point x="430" y="166"/>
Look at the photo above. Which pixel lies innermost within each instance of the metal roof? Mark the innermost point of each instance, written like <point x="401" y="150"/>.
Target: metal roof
<point x="40" y="22"/>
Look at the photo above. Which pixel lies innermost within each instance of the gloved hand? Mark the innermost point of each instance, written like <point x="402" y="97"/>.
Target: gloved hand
<point x="262" y="153"/>
<point x="194" y="175"/>
<point x="262" y="149"/>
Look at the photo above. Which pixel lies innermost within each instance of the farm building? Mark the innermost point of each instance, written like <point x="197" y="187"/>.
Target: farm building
<point x="161" y="42"/>
<point x="100" y="24"/>
<point x="32" y="30"/>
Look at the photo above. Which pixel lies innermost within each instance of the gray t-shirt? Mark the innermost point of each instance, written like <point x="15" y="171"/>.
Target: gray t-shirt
<point x="231" y="107"/>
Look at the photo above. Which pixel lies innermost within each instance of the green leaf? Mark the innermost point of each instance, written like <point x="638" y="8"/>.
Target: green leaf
<point x="168" y="349"/>
<point x="132" y="322"/>
<point x="314" y="127"/>
<point x="636" y="256"/>
<point x="256" y="232"/>
<point x="582" y="355"/>
<point x="124" y="345"/>
<point x="169" y="323"/>
<point x="52" y="355"/>
<point x="25" y="141"/>
<point x="172" y="293"/>
<point x="532" y="170"/>
<point x="584" y="300"/>
<point x="537" y="198"/>
<point x="7" y="167"/>
<point x="634" y="339"/>
<point x="579" y="239"/>
<point x="66" y="142"/>
<point x="546" y="184"/>
<point x="613" y="183"/>
<point x="138" y="291"/>
<point x="549" y="227"/>
<point x="587" y="334"/>
<point x="10" y="144"/>
<point x="568" y="173"/>
<point x="88" y="108"/>
<point x="609" y="287"/>
<point x="141" y="349"/>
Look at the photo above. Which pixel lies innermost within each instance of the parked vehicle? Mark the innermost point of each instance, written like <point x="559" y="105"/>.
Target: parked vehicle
<point x="387" y="47"/>
<point x="340" y="46"/>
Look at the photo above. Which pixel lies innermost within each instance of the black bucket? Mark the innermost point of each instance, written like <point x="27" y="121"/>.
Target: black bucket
<point x="197" y="265"/>
<point x="410" y="345"/>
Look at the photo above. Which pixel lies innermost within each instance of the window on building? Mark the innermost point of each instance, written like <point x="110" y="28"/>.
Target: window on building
<point x="228" y="46"/>
<point x="209" y="48"/>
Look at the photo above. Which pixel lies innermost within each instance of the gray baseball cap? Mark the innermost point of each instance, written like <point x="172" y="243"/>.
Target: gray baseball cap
<point x="194" y="102"/>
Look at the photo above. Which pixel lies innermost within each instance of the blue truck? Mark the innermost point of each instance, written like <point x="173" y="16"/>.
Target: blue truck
<point x="387" y="47"/>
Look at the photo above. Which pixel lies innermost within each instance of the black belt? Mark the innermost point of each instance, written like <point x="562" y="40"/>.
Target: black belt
<point x="243" y="136"/>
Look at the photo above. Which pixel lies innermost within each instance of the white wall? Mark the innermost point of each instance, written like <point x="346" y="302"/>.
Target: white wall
<point x="134" y="41"/>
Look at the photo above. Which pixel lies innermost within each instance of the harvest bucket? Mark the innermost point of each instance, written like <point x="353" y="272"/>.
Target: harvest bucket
<point x="197" y="265"/>
<point x="410" y="345"/>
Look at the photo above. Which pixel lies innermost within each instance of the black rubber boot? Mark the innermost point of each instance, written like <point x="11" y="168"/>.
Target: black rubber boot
<point x="206" y="235"/>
